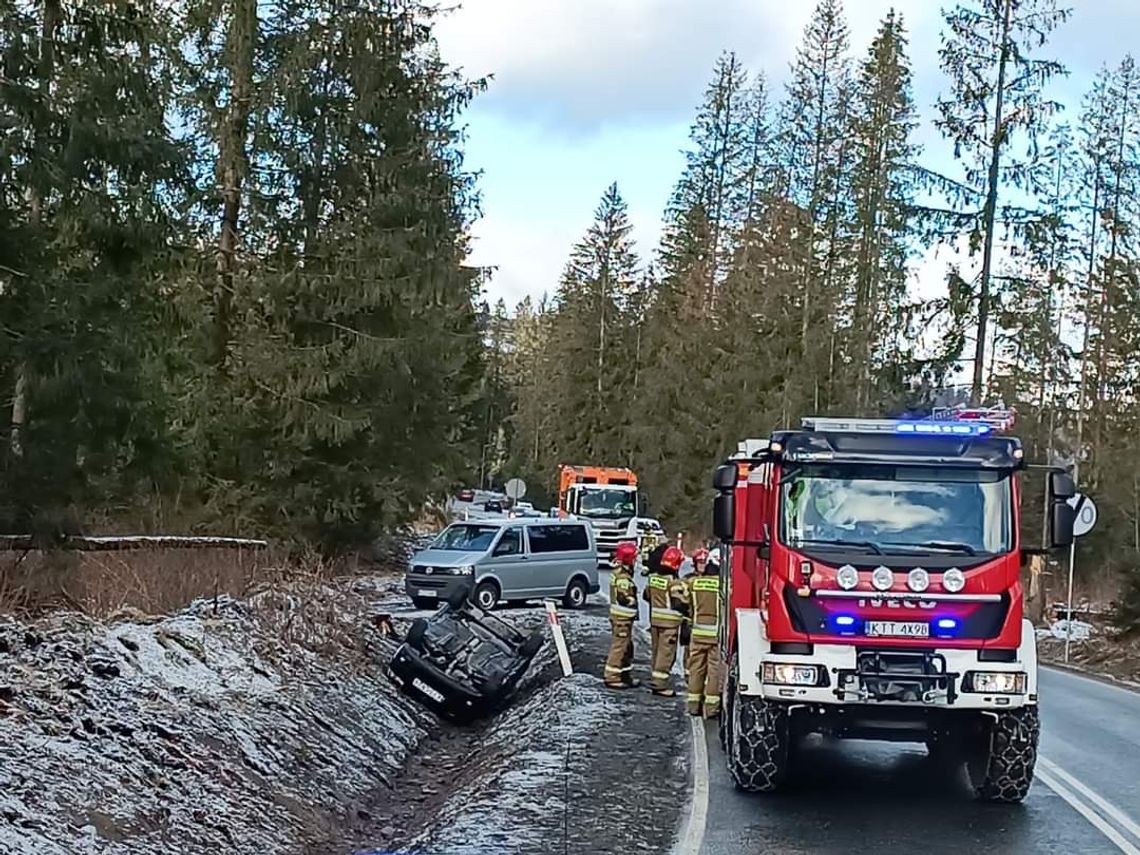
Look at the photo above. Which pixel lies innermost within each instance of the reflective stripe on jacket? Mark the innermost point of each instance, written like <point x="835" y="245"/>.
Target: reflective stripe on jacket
<point x="704" y="594"/>
<point x="667" y="595"/>
<point x="623" y="595"/>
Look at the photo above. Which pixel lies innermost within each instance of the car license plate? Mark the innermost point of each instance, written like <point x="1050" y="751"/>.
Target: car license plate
<point x="422" y="593"/>
<point x="899" y="629"/>
<point x="427" y="690"/>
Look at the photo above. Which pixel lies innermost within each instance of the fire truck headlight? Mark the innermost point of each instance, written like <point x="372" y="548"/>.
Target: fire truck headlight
<point x="995" y="682"/>
<point x="847" y="577"/>
<point x="883" y="579"/>
<point x="918" y="580"/>
<point x="786" y="674"/>
<point x="953" y="580"/>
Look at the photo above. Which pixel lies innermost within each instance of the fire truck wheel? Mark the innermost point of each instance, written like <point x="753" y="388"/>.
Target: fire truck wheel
<point x="1007" y="761"/>
<point x="758" y="754"/>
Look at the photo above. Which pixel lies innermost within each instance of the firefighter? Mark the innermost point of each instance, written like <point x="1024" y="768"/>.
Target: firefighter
<point x="648" y="544"/>
<point x="668" y="605"/>
<point x="705" y="667"/>
<point x="699" y="557"/>
<point x="623" y="615"/>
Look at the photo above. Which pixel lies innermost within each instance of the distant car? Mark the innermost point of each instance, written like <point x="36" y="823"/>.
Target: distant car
<point x="493" y="507"/>
<point x="505" y="559"/>
<point x="462" y="662"/>
<point x="465" y="496"/>
<point x="524" y="510"/>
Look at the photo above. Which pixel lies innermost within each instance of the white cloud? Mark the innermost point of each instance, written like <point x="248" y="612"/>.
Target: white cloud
<point x="591" y="91"/>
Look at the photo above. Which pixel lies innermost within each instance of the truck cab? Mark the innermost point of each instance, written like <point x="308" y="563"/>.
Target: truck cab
<point x="605" y="497"/>
<point x="873" y="590"/>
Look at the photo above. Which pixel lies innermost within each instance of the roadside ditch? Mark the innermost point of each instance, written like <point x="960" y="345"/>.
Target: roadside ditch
<point x="267" y="725"/>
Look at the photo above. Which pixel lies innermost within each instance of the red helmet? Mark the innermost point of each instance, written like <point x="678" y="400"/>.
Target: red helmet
<point x="626" y="553"/>
<point x="701" y="554"/>
<point x="672" y="558"/>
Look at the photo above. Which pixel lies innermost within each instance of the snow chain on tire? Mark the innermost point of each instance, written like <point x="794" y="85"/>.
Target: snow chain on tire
<point x="1011" y="757"/>
<point x="758" y="754"/>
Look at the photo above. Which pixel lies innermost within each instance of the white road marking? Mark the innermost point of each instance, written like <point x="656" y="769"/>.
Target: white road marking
<point x="1099" y="822"/>
<point x="693" y="831"/>
<point x="1112" y="811"/>
<point x="1126" y="686"/>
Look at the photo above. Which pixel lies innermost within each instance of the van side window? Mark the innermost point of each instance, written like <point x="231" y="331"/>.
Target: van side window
<point x="558" y="538"/>
<point x="510" y="543"/>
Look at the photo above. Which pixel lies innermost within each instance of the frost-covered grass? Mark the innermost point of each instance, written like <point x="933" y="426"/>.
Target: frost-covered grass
<point x="246" y="727"/>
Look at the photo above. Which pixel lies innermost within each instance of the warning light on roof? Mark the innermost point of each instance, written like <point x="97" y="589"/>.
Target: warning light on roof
<point x="944" y="428"/>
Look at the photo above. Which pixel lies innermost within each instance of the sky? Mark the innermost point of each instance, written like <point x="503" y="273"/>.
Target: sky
<point x="588" y="92"/>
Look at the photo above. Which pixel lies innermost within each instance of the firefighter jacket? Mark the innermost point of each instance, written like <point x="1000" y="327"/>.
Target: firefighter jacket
<point x="704" y="597"/>
<point x="623" y="594"/>
<point x="668" y="601"/>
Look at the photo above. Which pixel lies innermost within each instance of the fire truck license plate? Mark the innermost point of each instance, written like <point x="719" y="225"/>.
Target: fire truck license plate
<point x="898" y="628"/>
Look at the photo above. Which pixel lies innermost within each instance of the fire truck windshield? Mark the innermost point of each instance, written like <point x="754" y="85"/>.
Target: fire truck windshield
<point x="607" y="504"/>
<point x="898" y="508"/>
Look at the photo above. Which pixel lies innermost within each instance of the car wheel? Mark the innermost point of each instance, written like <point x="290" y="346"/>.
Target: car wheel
<point x="576" y="593"/>
<point x="416" y="632"/>
<point x="425" y="603"/>
<point x="457" y="597"/>
<point x="531" y="646"/>
<point x="486" y="595"/>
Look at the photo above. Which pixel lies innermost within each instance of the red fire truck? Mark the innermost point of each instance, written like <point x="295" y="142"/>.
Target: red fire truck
<point x="872" y="591"/>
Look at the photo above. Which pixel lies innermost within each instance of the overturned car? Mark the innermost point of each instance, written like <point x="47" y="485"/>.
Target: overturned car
<point x="462" y="662"/>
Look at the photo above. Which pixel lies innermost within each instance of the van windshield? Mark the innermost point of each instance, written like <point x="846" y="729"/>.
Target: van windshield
<point x="466" y="538"/>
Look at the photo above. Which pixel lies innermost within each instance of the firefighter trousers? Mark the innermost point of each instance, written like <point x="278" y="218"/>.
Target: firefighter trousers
<point x="705" y="673"/>
<point x="619" y="663"/>
<point x="664" y="655"/>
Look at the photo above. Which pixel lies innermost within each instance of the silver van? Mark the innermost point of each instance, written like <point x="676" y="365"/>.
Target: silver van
<point x="507" y="559"/>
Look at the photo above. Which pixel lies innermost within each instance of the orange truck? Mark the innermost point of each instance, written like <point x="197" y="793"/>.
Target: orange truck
<point x="604" y="496"/>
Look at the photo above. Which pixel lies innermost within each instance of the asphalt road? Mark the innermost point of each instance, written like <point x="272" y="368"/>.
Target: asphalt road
<point x="869" y="797"/>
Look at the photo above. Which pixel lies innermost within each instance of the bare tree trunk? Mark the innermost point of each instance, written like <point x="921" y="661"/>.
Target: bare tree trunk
<point x="233" y="167"/>
<point x="989" y="213"/>
<point x="52" y="15"/>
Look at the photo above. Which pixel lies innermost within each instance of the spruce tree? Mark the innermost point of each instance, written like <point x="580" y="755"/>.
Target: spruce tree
<point x="882" y="184"/>
<point x="92" y="184"/>
<point x="996" y="95"/>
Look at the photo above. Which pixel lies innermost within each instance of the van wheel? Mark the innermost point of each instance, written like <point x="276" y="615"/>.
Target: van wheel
<point x="486" y="595"/>
<point x="576" y="593"/>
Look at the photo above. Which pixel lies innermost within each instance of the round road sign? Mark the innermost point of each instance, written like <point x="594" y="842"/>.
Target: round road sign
<point x="1086" y="514"/>
<point x="515" y="488"/>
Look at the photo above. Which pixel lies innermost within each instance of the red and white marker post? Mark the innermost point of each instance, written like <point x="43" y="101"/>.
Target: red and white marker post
<point x="559" y="638"/>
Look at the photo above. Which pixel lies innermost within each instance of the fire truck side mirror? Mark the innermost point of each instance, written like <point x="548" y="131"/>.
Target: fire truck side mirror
<point x="1061" y="486"/>
<point x="1061" y="520"/>
<point x="724" y="516"/>
<point x="724" y="478"/>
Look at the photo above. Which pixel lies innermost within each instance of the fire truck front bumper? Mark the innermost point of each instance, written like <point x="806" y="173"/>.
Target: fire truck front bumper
<point x="849" y="674"/>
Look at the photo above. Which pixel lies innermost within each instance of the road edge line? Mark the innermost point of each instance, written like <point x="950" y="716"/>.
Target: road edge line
<point x="1096" y="676"/>
<point x="1095" y="819"/>
<point x="693" y="830"/>
<point x="1117" y="815"/>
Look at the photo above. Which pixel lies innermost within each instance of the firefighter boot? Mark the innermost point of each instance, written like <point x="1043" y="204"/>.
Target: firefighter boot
<point x="698" y="665"/>
<point x="664" y="655"/>
<point x="713" y="677"/>
<point x="619" y="662"/>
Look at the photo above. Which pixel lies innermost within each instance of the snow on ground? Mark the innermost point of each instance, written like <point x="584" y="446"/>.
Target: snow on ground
<point x="530" y="747"/>
<point x="231" y="727"/>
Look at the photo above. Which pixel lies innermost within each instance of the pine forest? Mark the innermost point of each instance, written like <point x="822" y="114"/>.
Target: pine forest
<point x="235" y="293"/>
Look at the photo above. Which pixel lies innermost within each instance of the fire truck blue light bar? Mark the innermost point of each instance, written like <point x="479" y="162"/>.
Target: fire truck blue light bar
<point x="923" y="427"/>
<point x="944" y="428"/>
